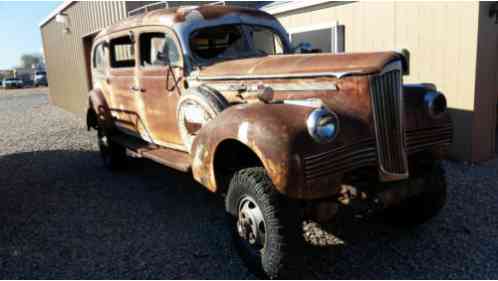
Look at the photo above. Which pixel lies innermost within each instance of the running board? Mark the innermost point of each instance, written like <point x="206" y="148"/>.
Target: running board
<point x="175" y="159"/>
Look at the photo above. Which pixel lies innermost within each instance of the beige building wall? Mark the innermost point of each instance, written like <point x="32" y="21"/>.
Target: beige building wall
<point x="442" y="39"/>
<point x="65" y="54"/>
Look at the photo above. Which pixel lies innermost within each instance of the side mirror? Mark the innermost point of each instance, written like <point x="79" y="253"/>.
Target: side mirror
<point x="305" y="48"/>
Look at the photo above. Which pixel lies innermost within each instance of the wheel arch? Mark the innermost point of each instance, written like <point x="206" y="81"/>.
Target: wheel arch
<point x="231" y="155"/>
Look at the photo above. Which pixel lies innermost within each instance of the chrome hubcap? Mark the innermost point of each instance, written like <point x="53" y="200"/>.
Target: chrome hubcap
<point x="250" y="223"/>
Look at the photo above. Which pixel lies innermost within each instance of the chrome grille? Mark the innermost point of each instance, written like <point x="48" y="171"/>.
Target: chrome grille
<point x="387" y="105"/>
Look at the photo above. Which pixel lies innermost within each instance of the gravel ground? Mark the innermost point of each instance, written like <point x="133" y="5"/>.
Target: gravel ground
<point x="63" y="216"/>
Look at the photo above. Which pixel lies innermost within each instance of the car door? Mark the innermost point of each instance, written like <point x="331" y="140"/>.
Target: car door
<point x="160" y="73"/>
<point x="121" y="80"/>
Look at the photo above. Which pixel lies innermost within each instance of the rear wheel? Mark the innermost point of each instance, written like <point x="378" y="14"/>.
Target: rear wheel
<point x="266" y="226"/>
<point x="426" y="205"/>
<point x="113" y="155"/>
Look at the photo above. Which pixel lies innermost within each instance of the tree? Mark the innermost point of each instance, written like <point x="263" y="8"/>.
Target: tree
<point x="28" y="60"/>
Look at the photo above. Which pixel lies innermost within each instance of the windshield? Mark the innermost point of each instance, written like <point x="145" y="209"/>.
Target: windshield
<point x="234" y="42"/>
<point x="40" y="73"/>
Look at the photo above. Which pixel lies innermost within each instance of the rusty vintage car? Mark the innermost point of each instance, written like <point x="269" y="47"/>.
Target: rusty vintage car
<point x="219" y="92"/>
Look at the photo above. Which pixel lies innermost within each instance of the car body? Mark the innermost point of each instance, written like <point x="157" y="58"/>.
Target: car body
<point x="226" y="92"/>
<point x="40" y="78"/>
<point x="12" y="83"/>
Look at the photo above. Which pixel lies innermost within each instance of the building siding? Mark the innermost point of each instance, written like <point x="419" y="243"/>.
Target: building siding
<point x="64" y="52"/>
<point x="442" y="40"/>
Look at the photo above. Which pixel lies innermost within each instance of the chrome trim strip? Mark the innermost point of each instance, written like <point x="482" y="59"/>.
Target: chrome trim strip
<point x="279" y="76"/>
<point x="278" y="87"/>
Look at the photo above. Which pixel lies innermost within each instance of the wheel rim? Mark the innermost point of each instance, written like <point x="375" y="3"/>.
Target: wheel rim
<point x="251" y="225"/>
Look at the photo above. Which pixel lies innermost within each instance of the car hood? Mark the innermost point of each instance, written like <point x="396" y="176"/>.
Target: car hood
<point x="299" y="65"/>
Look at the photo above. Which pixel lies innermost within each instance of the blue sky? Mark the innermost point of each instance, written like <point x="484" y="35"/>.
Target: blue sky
<point x="19" y="30"/>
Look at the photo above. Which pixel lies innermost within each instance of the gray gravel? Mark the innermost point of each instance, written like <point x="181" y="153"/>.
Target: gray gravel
<point x="63" y="216"/>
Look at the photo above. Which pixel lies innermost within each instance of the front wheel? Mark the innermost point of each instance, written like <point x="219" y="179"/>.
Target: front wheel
<point x="266" y="226"/>
<point x="113" y="155"/>
<point x="427" y="204"/>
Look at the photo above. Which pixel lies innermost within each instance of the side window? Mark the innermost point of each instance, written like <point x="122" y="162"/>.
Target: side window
<point x="99" y="57"/>
<point x="122" y="52"/>
<point x="151" y="45"/>
<point x="158" y="49"/>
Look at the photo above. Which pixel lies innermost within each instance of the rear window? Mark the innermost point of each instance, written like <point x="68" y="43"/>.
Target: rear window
<point x="122" y="52"/>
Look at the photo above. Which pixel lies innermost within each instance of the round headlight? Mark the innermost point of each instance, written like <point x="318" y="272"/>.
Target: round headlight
<point x="435" y="104"/>
<point x="323" y="125"/>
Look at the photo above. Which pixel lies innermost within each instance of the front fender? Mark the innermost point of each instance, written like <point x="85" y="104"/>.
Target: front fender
<point x="276" y="133"/>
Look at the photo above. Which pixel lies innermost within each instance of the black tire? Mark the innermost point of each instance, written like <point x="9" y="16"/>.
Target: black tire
<point x="283" y="237"/>
<point x="113" y="155"/>
<point x="421" y="208"/>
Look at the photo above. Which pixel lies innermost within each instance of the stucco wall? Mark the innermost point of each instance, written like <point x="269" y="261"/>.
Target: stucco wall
<point x="442" y="40"/>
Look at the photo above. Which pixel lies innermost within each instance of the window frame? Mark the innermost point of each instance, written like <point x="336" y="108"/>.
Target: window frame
<point x="167" y="32"/>
<point x="101" y="44"/>
<point x="111" y="50"/>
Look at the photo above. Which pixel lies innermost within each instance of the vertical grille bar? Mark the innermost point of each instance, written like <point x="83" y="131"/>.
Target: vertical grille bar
<point x="386" y="95"/>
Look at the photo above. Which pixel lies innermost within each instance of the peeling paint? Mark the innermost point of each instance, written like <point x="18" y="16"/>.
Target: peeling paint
<point x="243" y="132"/>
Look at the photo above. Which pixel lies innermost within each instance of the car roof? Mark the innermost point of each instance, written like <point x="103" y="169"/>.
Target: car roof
<point x="185" y="16"/>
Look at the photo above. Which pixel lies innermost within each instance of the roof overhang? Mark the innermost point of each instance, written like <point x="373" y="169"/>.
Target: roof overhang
<point x="279" y="8"/>
<point x="55" y="12"/>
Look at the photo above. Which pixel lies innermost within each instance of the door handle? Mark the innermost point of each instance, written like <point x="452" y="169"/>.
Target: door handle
<point x="135" y="89"/>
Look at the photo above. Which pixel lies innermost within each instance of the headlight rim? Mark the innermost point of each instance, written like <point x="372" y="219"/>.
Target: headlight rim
<point x="430" y="100"/>
<point x="312" y="124"/>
